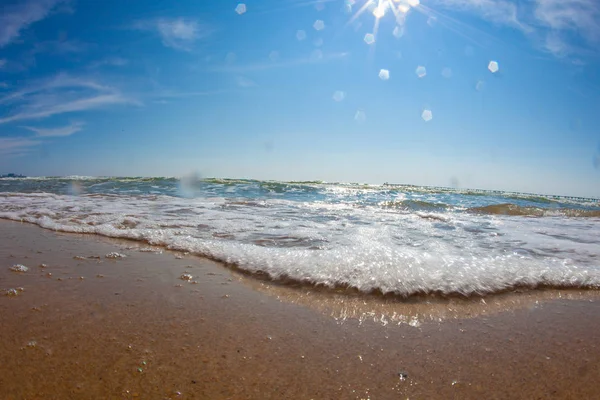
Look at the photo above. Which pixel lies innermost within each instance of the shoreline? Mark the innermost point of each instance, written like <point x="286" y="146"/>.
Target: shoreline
<point x="232" y="336"/>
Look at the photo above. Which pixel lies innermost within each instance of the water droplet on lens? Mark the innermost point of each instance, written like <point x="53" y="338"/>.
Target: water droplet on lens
<point x="398" y="32"/>
<point x="301" y="35"/>
<point x="319" y="25"/>
<point x="369" y="38"/>
<point x="240" y="9"/>
<point x="384" y="74"/>
<point x="360" y="116"/>
<point x="339" y="95"/>
<point x="427" y="115"/>
<point x="421" y="71"/>
<point x="493" y="67"/>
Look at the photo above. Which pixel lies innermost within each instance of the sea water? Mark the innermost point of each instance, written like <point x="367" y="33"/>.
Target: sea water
<point x="397" y="239"/>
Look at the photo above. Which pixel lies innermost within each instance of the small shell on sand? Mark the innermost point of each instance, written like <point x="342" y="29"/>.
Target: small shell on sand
<point x="114" y="254"/>
<point x="19" y="268"/>
<point x="13" y="292"/>
<point x="186" y="277"/>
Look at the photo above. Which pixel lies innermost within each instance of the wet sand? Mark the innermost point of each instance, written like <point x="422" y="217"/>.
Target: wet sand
<point x="131" y="328"/>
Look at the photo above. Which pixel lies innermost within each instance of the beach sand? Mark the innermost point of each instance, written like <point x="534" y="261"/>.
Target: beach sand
<point x="96" y="328"/>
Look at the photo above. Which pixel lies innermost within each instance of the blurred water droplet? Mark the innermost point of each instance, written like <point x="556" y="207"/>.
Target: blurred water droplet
<point x="75" y="188"/>
<point x="338" y="95"/>
<point x="318" y="42"/>
<point x="300" y="35"/>
<point x="384" y="74"/>
<point x="274" y="56"/>
<point x="320" y="6"/>
<point x="379" y="11"/>
<point x="316" y="55"/>
<point x="480" y="85"/>
<point x="447" y="72"/>
<point x="427" y="115"/>
<point x="431" y="21"/>
<point x="360" y="116"/>
<point x="398" y="32"/>
<point x="421" y="71"/>
<point x="230" y="58"/>
<point x="403" y="8"/>
<point x="240" y="9"/>
<point x="319" y="25"/>
<point x="369" y="38"/>
<point x="413" y="3"/>
<point x="493" y="67"/>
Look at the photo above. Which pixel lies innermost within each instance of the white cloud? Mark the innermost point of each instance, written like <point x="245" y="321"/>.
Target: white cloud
<point x="59" y="95"/>
<point x="68" y="130"/>
<point x="177" y="33"/>
<point x="15" y="18"/>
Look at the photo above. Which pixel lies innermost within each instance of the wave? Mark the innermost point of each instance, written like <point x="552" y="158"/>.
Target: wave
<point x="337" y="245"/>
<point x="516" y="210"/>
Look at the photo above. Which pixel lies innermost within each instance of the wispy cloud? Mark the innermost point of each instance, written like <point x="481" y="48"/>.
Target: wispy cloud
<point x="68" y="130"/>
<point x="565" y="18"/>
<point x="60" y="47"/>
<point x="316" y="58"/>
<point x="15" y="18"/>
<point x="16" y="145"/>
<point x="109" y="62"/>
<point x="177" y="33"/>
<point x="497" y="11"/>
<point x="2" y="62"/>
<point x="560" y="27"/>
<point x="59" y="95"/>
<point x="244" y="82"/>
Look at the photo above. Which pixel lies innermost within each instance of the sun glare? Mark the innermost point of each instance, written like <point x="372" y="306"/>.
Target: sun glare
<point x="379" y="9"/>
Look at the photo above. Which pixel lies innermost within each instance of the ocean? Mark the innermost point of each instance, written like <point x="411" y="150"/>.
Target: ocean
<point x="392" y="239"/>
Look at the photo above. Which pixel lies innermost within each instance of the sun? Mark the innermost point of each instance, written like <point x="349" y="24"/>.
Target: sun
<point x="380" y="8"/>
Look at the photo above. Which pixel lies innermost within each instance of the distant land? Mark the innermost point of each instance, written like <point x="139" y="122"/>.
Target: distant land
<point x="11" y="175"/>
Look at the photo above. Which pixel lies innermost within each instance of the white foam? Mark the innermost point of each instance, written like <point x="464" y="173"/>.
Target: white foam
<point x="339" y="243"/>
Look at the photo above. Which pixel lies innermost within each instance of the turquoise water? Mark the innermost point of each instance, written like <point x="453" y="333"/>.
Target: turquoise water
<point x="396" y="239"/>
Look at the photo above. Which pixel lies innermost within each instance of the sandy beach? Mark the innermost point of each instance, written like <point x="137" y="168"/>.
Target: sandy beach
<point x="88" y="327"/>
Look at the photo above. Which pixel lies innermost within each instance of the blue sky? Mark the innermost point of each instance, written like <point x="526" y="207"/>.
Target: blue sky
<point x="300" y="90"/>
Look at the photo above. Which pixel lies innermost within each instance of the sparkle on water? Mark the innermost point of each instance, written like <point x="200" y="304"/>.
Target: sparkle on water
<point x="421" y="71"/>
<point x="384" y="74"/>
<point x="369" y="38"/>
<point x="427" y="115"/>
<point x="319" y="25"/>
<point x="339" y="95"/>
<point x="493" y="67"/>
<point x="240" y="9"/>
